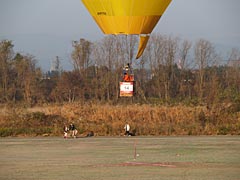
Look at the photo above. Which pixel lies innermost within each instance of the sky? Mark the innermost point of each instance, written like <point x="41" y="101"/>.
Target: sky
<point x="46" y="28"/>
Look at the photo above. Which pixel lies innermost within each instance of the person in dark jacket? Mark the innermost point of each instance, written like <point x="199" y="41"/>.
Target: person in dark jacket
<point x="73" y="130"/>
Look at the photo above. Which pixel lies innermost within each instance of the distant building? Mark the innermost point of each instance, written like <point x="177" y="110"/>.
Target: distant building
<point x="234" y="63"/>
<point x="55" y="69"/>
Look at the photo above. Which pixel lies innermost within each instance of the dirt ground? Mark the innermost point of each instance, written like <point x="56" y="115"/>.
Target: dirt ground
<point x="165" y="158"/>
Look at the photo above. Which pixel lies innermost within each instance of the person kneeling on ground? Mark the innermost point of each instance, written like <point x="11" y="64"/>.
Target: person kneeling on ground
<point x="73" y="130"/>
<point x="127" y="129"/>
<point x="65" y="131"/>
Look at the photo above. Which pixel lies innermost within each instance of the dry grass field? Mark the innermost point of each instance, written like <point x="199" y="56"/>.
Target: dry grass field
<point x="108" y="120"/>
<point x="107" y="158"/>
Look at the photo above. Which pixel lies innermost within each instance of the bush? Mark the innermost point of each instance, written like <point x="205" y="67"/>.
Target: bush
<point x="4" y="132"/>
<point x="224" y="130"/>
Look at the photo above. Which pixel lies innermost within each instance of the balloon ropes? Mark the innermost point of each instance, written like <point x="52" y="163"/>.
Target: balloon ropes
<point x="129" y="17"/>
<point x="137" y="17"/>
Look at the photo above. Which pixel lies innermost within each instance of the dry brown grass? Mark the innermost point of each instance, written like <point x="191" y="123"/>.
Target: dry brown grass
<point x="144" y="119"/>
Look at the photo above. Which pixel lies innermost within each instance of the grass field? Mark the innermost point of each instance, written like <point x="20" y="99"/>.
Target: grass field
<point x="108" y="158"/>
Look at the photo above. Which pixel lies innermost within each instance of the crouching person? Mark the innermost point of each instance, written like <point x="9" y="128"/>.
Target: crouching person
<point x="73" y="130"/>
<point x="65" y="131"/>
<point x="127" y="129"/>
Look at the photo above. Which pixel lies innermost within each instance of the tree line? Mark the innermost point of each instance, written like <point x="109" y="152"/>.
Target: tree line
<point x="170" y="70"/>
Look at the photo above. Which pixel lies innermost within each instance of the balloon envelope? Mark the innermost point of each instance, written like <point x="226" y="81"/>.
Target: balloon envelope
<point x="126" y="16"/>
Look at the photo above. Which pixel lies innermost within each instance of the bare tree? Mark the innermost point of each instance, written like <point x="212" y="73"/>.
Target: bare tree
<point x="81" y="54"/>
<point x="6" y="55"/>
<point x="161" y="52"/>
<point x="155" y="53"/>
<point x="105" y="52"/>
<point x="168" y="61"/>
<point x="183" y="64"/>
<point x="183" y="53"/>
<point x="27" y="76"/>
<point x="233" y="71"/>
<point x="204" y="57"/>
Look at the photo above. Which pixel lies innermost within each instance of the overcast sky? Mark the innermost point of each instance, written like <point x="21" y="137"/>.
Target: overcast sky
<point x="46" y="28"/>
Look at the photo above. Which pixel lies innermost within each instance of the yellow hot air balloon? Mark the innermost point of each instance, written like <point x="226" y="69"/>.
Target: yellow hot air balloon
<point x="137" y="17"/>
